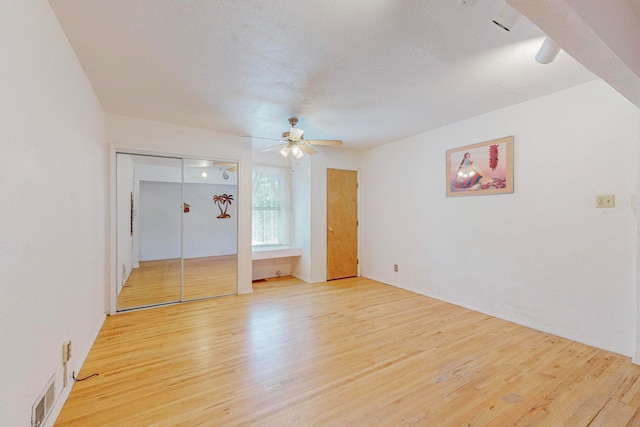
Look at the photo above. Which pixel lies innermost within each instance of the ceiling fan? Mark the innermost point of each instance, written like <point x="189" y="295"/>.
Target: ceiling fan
<point x="293" y="142"/>
<point x="226" y="167"/>
<point x="230" y="166"/>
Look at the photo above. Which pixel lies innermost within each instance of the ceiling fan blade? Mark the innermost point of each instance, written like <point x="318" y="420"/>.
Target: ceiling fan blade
<point x="273" y="148"/>
<point x="335" y="142"/>
<point x="224" y="164"/>
<point x="231" y="166"/>
<point x="259" y="137"/>
<point x="307" y="149"/>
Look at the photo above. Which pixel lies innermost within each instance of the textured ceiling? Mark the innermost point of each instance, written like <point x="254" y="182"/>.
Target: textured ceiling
<point x="602" y="36"/>
<point x="364" y="71"/>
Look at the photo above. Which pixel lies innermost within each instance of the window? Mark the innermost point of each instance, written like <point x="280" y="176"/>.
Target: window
<point x="270" y="206"/>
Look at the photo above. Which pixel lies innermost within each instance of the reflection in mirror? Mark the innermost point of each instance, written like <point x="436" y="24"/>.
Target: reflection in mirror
<point x="176" y="229"/>
<point x="148" y="230"/>
<point x="210" y="227"/>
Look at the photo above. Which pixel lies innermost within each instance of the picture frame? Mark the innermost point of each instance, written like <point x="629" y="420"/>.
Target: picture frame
<point x="481" y="169"/>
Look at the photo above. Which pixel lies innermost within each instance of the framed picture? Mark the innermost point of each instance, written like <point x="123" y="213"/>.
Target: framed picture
<point x="483" y="168"/>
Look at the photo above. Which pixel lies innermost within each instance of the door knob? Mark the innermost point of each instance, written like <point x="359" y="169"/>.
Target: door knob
<point x="331" y="229"/>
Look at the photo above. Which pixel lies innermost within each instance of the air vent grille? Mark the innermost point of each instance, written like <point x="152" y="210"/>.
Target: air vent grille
<point x="42" y="407"/>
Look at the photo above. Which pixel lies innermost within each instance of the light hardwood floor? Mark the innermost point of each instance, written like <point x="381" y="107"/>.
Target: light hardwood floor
<point x="353" y="352"/>
<point x="157" y="282"/>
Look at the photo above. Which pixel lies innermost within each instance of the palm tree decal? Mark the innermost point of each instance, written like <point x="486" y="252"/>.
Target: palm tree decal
<point x="223" y="201"/>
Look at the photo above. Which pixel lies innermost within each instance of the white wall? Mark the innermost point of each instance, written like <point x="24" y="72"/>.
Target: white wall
<point x="150" y="137"/>
<point x="53" y="186"/>
<point x="204" y="233"/>
<point x="271" y="158"/>
<point x="160" y="224"/>
<point x="301" y="216"/>
<point x="543" y="256"/>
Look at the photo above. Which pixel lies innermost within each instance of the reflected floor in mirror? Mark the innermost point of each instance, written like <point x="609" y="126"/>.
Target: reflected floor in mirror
<point x="158" y="282"/>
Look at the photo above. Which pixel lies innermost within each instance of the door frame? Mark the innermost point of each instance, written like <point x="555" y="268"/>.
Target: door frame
<point x="326" y="228"/>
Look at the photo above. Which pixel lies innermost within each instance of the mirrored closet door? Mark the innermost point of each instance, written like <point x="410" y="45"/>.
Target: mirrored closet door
<point x="176" y="229"/>
<point x="210" y="229"/>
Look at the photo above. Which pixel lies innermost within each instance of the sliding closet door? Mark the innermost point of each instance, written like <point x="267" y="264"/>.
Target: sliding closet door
<point x="210" y="229"/>
<point x="177" y="228"/>
<point x="149" y="195"/>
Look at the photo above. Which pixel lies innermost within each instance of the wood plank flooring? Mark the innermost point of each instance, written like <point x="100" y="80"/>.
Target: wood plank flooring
<point x="158" y="282"/>
<point x="352" y="352"/>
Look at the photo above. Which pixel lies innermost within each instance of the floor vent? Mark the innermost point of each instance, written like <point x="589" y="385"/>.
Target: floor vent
<point x="44" y="403"/>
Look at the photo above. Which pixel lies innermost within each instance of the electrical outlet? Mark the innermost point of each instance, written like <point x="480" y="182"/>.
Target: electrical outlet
<point x="605" y="201"/>
<point x="395" y="267"/>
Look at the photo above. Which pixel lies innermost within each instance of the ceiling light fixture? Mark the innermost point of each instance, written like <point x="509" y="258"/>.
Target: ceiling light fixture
<point x="507" y="18"/>
<point x="285" y="151"/>
<point x="296" y="151"/>
<point x="294" y="148"/>
<point x="548" y="51"/>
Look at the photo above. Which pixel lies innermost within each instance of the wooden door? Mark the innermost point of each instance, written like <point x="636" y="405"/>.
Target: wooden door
<point x="342" y="223"/>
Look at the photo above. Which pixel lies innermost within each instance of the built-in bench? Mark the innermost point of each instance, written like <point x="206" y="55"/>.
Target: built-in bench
<point x="273" y="261"/>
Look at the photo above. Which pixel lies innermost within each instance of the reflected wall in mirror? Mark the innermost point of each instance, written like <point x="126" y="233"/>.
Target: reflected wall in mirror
<point x="170" y="245"/>
<point x="210" y="243"/>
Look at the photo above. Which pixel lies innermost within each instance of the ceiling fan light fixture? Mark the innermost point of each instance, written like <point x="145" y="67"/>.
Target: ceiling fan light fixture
<point x="507" y="18"/>
<point x="284" y="151"/>
<point x="296" y="152"/>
